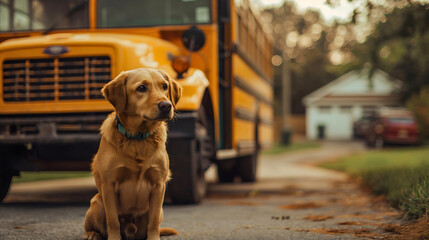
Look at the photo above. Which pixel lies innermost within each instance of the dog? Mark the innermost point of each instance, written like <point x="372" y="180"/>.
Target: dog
<point x="131" y="167"/>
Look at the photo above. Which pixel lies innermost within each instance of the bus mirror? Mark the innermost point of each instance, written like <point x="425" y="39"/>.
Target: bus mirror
<point x="193" y="39"/>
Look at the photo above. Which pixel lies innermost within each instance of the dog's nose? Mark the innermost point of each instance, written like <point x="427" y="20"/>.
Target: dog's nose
<point x="164" y="106"/>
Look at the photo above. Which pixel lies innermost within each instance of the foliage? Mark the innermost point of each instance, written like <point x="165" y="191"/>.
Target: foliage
<point x="419" y="104"/>
<point x="399" y="45"/>
<point x="400" y="174"/>
<point x="417" y="201"/>
<point x="391" y="35"/>
<point x="405" y="188"/>
<point x="310" y="47"/>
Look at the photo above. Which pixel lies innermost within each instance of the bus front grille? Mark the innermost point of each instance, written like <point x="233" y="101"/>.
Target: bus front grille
<point x="55" y="79"/>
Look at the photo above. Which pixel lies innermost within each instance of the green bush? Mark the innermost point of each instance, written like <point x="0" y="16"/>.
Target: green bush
<point x="405" y="188"/>
<point x="402" y="174"/>
<point x="417" y="202"/>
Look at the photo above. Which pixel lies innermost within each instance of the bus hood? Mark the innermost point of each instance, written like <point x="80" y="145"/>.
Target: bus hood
<point x="126" y="52"/>
<point x="131" y="51"/>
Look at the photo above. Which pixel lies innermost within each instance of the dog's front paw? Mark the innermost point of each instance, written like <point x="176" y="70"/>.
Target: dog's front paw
<point x="92" y="235"/>
<point x="153" y="238"/>
<point x="153" y="235"/>
<point x="114" y="237"/>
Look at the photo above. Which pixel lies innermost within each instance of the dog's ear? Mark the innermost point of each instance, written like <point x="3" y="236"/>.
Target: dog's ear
<point x="175" y="90"/>
<point x="116" y="93"/>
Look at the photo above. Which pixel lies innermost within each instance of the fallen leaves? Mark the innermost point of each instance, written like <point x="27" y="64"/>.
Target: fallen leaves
<point x="318" y="218"/>
<point x="335" y="231"/>
<point x="242" y="203"/>
<point x="356" y="223"/>
<point x="418" y="229"/>
<point x="296" y="206"/>
<point x="355" y="232"/>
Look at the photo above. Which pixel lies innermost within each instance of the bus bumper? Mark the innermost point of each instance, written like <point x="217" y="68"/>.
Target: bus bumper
<point x="49" y="143"/>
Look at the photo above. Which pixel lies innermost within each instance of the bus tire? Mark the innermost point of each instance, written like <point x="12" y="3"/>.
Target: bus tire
<point x="188" y="185"/>
<point x="247" y="167"/>
<point x="226" y="170"/>
<point x="5" y="181"/>
<point x="189" y="159"/>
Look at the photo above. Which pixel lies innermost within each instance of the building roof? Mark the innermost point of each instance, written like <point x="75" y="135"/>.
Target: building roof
<point x="355" y="86"/>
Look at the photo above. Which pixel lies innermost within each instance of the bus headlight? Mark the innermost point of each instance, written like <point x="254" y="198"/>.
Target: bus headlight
<point x="180" y="65"/>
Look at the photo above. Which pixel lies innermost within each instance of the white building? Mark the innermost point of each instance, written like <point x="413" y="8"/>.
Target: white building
<point x="332" y="109"/>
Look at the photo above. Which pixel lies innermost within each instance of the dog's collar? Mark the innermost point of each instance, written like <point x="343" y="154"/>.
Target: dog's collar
<point x="139" y="136"/>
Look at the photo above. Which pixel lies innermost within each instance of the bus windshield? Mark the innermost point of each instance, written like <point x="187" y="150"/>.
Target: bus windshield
<point x="131" y="13"/>
<point x="40" y="15"/>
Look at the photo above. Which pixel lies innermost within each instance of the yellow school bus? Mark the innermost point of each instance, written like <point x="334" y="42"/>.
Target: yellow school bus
<point x="55" y="56"/>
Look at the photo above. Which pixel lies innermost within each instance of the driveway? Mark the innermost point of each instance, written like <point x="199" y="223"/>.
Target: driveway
<point x="293" y="199"/>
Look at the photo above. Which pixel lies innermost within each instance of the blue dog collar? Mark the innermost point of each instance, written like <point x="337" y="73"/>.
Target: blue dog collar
<point x="139" y="136"/>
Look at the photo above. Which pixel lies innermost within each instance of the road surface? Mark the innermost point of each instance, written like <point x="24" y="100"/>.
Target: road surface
<point x="293" y="199"/>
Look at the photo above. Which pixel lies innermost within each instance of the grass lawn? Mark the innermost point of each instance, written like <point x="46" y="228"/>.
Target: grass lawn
<point x="402" y="174"/>
<point x="387" y="158"/>
<point x="292" y="147"/>
<point x="37" y="176"/>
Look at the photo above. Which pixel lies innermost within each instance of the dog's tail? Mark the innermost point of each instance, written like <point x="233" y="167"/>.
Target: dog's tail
<point x="167" y="232"/>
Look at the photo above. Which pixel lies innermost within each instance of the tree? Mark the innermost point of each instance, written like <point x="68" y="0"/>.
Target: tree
<point x="311" y="47"/>
<point x="400" y="46"/>
<point x="392" y="35"/>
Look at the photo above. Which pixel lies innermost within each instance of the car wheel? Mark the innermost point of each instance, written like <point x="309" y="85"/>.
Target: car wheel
<point x="379" y="143"/>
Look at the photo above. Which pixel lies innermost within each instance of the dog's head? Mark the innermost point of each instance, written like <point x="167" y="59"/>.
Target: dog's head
<point x="148" y="93"/>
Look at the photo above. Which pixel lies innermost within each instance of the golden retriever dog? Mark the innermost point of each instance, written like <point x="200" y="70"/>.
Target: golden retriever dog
<point x="131" y="167"/>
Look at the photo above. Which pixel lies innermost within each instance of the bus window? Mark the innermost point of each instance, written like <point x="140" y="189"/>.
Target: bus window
<point x="32" y="15"/>
<point x="4" y="15"/>
<point x="131" y="13"/>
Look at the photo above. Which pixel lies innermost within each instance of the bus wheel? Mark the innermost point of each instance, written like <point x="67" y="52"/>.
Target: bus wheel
<point x="247" y="167"/>
<point x="189" y="159"/>
<point x="5" y="180"/>
<point x="226" y="170"/>
<point x="188" y="184"/>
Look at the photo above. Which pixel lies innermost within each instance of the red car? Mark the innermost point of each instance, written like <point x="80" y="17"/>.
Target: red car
<point x="392" y="126"/>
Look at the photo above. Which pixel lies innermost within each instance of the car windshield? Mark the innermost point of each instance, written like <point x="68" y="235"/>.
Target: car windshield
<point x="401" y="120"/>
<point x="39" y="15"/>
<point x="131" y="13"/>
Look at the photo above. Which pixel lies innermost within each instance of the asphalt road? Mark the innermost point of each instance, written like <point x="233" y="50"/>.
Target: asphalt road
<point x="292" y="200"/>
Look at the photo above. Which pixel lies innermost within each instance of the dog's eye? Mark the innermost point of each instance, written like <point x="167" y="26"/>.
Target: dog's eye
<point x="165" y="87"/>
<point x="142" y="88"/>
